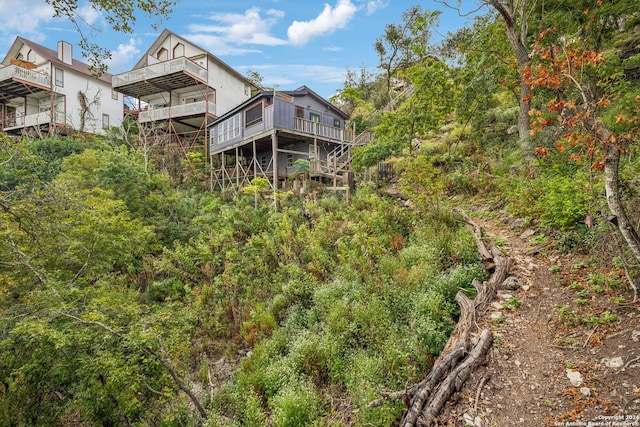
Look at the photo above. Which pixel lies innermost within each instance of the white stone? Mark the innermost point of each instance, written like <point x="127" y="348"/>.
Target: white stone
<point x="575" y="377"/>
<point x="635" y="335"/>
<point x="496" y="305"/>
<point x="614" y="362"/>
<point x="585" y="391"/>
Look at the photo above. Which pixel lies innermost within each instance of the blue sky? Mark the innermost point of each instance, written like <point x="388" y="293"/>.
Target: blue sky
<point x="289" y="42"/>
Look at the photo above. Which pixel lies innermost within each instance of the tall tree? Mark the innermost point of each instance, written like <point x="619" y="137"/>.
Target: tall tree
<point x="595" y="102"/>
<point x="515" y="15"/>
<point x="404" y="44"/>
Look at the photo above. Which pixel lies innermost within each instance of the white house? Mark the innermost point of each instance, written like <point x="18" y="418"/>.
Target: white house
<point x="180" y="88"/>
<point x="52" y="92"/>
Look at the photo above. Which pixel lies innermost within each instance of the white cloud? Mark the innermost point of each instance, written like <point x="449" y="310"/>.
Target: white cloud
<point x="333" y="49"/>
<point x="122" y="57"/>
<point x="240" y="29"/>
<point x="374" y="5"/>
<point x="88" y="14"/>
<point x="329" y="20"/>
<point x="25" y="18"/>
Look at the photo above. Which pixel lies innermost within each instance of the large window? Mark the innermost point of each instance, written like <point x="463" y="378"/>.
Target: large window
<point x="105" y="121"/>
<point x="253" y="115"/>
<point x="229" y="129"/>
<point x="314" y="117"/>
<point x="59" y="77"/>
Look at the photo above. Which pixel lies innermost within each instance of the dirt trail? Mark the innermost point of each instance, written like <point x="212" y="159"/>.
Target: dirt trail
<point x="566" y="348"/>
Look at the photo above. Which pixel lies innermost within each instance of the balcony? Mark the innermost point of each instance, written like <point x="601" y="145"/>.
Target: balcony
<point x="184" y="110"/>
<point x="43" y="118"/>
<point x="17" y="81"/>
<point x="161" y="77"/>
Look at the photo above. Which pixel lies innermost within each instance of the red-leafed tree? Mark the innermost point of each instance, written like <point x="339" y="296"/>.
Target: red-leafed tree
<point x="595" y="107"/>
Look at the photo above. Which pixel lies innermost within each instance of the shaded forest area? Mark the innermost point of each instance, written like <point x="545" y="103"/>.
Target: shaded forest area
<point x="131" y="296"/>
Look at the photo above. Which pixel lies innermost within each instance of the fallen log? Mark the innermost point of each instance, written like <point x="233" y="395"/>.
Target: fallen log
<point x="459" y="359"/>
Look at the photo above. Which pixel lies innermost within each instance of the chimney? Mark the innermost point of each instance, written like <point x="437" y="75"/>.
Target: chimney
<point x="65" y="53"/>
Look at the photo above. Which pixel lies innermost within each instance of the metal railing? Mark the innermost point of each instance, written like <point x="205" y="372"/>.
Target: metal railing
<point x="24" y="74"/>
<point x="175" y="111"/>
<point x="160" y="69"/>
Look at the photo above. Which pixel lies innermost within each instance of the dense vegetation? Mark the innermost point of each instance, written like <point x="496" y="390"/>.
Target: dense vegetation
<point x="129" y="297"/>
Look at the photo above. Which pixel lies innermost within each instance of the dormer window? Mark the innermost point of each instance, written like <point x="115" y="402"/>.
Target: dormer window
<point x="31" y="56"/>
<point x="162" y="54"/>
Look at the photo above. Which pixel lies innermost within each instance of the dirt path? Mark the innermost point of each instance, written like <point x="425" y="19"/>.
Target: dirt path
<point x="566" y="348"/>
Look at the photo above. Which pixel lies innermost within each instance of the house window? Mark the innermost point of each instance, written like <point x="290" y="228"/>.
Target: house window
<point x="59" y="77"/>
<point x="178" y="50"/>
<point x="229" y="129"/>
<point x="253" y="115"/>
<point x="336" y="123"/>
<point x="114" y="95"/>
<point x="299" y="112"/>
<point x="289" y="160"/>
<point x="314" y="117"/>
<point x="263" y="162"/>
<point x="105" y="121"/>
<point x="162" y="54"/>
<point x="31" y="56"/>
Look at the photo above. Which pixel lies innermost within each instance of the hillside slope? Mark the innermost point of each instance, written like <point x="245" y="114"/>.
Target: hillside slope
<point x="567" y="342"/>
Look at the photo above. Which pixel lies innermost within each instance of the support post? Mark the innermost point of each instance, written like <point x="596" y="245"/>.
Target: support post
<point x="237" y="171"/>
<point x="255" y="160"/>
<point x="274" y="149"/>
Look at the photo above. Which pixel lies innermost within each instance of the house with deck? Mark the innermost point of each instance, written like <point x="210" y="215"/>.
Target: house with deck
<point x="265" y="136"/>
<point x="179" y="88"/>
<point x="44" y="92"/>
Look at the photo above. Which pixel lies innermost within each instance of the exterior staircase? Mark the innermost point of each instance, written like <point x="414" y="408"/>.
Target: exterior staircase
<point x="339" y="160"/>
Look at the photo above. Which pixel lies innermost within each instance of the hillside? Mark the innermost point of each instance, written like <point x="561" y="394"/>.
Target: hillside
<point x="564" y="352"/>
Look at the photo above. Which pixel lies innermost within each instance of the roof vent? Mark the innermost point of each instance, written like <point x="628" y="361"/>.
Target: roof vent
<point x="65" y="52"/>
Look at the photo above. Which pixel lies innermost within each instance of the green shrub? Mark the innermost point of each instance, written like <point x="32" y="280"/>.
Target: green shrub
<point x="296" y="404"/>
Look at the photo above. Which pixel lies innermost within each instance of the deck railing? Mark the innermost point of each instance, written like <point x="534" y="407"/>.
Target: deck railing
<point x="319" y="129"/>
<point x="175" y="111"/>
<point x="158" y="70"/>
<point x="37" y="119"/>
<point x="24" y="74"/>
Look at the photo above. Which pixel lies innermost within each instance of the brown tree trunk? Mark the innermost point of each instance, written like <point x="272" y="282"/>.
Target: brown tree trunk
<point x="517" y="34"/>
<point x="612" y="190"/>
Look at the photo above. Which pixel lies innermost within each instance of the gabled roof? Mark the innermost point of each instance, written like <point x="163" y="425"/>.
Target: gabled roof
<point x="52" y="56"/>
<point x="304" y="91"/>
<point x="300" y="92"/>
<point x="167" y="33"/>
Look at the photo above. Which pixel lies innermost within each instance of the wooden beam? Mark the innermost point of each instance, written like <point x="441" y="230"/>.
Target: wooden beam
<point x="302" y="153"/>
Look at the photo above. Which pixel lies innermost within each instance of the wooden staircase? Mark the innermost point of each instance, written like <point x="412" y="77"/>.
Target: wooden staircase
<point x="339" y="160"/>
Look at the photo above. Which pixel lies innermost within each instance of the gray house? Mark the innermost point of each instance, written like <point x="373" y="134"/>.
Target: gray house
<point x="265" y="135"/>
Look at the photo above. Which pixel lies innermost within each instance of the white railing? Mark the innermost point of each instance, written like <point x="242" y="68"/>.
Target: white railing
<point x="319" y="129"/>
<point x="35" y="119"/>
<point x="175" y="111"/>
<point x="160" y="69"/>
<point x="30" y="76"/>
